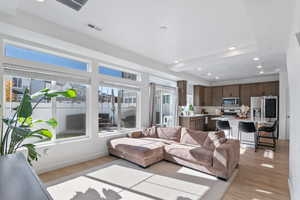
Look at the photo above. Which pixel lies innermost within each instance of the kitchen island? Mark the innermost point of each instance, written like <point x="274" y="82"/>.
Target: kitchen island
<point x="201" y="122"/>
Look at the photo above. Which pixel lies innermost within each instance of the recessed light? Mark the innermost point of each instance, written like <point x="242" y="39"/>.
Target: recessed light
<point x="176" y="61"/>
<point x="261" y="72"/>
<point x="217" y="77"/>
<point x="256" y="59"/>
<point x="232" y="48"/>
<point x="199" y="69"/>
<point x="209" y="74"/>
<point x="163" y="27"/>
<point x="259" y="67"/>
<point x="40" y="0"/>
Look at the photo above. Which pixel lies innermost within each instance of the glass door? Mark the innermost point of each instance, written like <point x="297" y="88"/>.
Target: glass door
<point x="165" y="106"/>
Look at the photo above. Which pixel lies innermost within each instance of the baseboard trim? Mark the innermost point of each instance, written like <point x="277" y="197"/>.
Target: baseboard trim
<point x="291" y="188"/>
<point x="72" y="162"/>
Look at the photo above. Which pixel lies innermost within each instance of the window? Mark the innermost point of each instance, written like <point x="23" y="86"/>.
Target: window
<point x="70" y="113"/>
<point x="117" y="73"/>
<point x="116" y="110"/>
<point x="37" y="56"/>
<point x="14" y="93"/>
<point x="166" y="99"/>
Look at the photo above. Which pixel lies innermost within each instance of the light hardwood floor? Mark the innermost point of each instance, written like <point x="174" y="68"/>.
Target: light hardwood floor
<point x="262" y="175"/>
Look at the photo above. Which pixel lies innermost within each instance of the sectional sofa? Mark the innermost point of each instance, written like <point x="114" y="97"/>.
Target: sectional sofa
<point x="209" y="152"/>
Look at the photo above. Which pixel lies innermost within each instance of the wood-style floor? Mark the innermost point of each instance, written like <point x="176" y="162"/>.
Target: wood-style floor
<point x="262" y="175"/>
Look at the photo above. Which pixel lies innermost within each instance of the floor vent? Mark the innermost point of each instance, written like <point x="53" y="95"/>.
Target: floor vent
<point x="298" y="37"/>
<point x="74" y="4"/>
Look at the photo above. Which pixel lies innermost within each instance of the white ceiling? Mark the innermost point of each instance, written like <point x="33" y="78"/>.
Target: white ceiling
<point x="198" y="32"/>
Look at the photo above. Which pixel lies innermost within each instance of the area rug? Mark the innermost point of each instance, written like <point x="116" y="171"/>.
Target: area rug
<point x="120" y="180"/>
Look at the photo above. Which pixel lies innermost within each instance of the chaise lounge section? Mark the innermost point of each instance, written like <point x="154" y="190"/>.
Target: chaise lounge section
<point x="209" y="152"/>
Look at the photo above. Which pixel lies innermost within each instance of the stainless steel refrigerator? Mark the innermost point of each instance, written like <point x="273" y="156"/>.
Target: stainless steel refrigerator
<point x="264" y="108"/>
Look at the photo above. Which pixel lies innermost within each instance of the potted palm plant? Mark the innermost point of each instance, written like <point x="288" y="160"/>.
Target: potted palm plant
<point x="19" y="127"/>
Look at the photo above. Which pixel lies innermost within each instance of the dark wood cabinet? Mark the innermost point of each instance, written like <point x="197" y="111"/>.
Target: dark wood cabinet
<point x="231" y="91"/>
<point x="207" y="96"/>
<point x="182" y="93"/>
<point x="213" y="96"/>
<point x="245" y="94"/>
<point x="198" y="95"/>
<point x="217" y="96"/>
<point x="194" y="123"/>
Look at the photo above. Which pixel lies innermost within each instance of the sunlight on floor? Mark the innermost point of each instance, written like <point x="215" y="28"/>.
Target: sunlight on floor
<point x="269" y="154"/>
<point x="242" y="150"/>
<point x="263" y="191"/>
<point x="267" y="165"/>
<point x="116" y="182"/>
<point x="188" y="171"/>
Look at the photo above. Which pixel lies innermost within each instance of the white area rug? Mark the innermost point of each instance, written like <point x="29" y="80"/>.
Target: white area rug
<point x="120" y="180"/>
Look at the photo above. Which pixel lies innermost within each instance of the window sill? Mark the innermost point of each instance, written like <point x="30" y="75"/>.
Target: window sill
<point x="61" y="141"/>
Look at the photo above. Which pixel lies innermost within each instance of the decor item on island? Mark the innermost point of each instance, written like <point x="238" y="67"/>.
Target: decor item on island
<point x="20" y="126"/>
<point x="191" y="109"/>
<point x="244" y="112"/>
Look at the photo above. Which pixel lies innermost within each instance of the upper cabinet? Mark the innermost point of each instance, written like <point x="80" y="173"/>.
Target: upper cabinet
<point x="217" y="96"/>
<point x="231" y="91"/>
<point x="245" y="94"/>
<point x="213" y="96"/>
<point x="198" y="95"/>
<point x="182" y="93"/>
<point x="207" y="96"/>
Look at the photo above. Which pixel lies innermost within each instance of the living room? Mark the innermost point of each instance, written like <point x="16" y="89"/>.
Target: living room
<point x="179" y="107"/>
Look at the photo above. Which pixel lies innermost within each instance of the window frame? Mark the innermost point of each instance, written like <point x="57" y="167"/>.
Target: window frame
<point x="54" y="109"/>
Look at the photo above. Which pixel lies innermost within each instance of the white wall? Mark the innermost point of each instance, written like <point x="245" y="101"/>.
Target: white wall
<point x="283" y="105"/>
<point x="293" y="68"/>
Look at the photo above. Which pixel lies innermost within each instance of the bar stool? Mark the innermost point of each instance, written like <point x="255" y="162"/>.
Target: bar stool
<point x="224" y="125"/>
<point x="247" y="127"/>
<point x="268" y="133"/>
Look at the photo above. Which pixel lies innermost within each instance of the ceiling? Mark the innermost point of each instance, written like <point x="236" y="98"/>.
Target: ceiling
<point x="197" y="33"/>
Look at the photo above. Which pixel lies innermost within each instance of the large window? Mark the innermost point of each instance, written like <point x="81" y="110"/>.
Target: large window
<point x="70" y="113"/>
<point x="117" y="73"/>
<point x="117" y="109"/>
<point x="37" y="56"/>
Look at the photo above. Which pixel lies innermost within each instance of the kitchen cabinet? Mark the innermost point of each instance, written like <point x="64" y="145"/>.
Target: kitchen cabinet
<point x="245" y="94"/>
<point x="192" y="122"/>
<point x="207" y="96"/>
<point x="231" y="91"/>
<point x="198" y="95"/>
<point x="182" y="93"/>
<point x="217" y="96"/>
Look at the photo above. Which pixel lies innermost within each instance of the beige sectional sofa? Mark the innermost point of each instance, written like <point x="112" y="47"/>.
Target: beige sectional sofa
<point x="209" y="152"/>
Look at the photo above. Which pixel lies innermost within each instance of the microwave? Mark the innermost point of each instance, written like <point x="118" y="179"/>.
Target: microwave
<point x="231" y="102"/>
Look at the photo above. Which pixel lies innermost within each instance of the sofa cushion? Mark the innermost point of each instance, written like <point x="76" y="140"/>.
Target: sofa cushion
<point x="194" y="137"/>
<point x="150" y="132"/>
<point x="214" y="140"/>
<point x="190" y="153"/>
<point x="170" y="133"/>
<point x="165" y="141"/>
<point x="136" y="147"/>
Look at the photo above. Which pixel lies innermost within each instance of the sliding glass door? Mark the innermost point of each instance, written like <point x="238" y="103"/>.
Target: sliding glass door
<point x="165" y="106"/>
